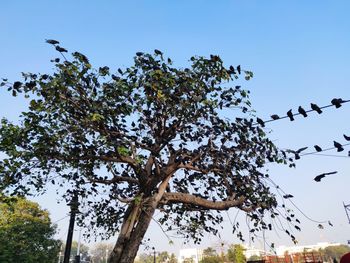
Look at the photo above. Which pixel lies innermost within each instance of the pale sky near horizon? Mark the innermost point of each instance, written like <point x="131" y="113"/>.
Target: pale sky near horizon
<point x="298" y="50"/>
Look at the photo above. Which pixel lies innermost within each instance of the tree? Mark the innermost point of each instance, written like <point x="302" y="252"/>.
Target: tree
<point x="150" y="137"/>
<point x="335" y="252"/>
<point x="100" y="251"/>
<point x="26" y="232"/>
<point x="172" y="258"/>
<point x="235" y="254"/>
<point x="84" y="250"/>
<point x="210" y="256"/>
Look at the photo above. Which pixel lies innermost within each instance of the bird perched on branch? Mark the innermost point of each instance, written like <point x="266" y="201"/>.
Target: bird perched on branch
<point x="316" y="108"/>
<point x="338" y="146"/>
<point x="302" y="111"/>
<point x="318" y="178"/>
<point x="290" y="115"/>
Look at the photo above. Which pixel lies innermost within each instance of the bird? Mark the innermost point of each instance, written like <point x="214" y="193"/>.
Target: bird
<point x="290" y="115"/>
<point x="239" y="69"/>
<point x="261" y="122"/>
<point x="52" y="41"/>
<point x="158" y="52"/>
<point x="297" y="152"/>
<point x="316" y="108"/>
<point x="301" y="149"/>
<point x="139" y="54"/>
<point x="346" y="137"/>
<point x="288" y="196"/>
<point x="297" y="228"/>
<point x="302" y="111"/>
<point x="318" y="178"/>
<point x="320" y="226"/>
<point x="61" y="49"/>
<point x="338" y="146"/>
<point x="275" y="117"/>
<point x="318" y="148"/>
<point x="349" y="153"/>
<point x="337" y="102"/>
<point x="329" y="223"/>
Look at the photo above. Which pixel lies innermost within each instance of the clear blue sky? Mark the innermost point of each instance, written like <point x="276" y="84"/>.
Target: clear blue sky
<point x="298" y="51"/>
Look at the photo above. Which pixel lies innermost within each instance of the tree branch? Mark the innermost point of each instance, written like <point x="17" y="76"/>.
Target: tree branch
<point x="204" y="203"/>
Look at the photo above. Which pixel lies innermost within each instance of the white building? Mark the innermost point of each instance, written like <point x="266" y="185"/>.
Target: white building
<point x="194" y="253"/>
<point x="280" y="251"/>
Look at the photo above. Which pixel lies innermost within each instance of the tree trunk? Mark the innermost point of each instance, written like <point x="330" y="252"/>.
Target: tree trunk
<point x="134" y="227"/>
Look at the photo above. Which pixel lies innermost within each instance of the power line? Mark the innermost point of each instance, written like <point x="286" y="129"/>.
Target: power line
<point x="296" y="114"/>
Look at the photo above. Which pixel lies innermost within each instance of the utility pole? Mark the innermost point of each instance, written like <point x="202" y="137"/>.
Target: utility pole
<point x="154" y="255"/>
<point x="73" y="210"/>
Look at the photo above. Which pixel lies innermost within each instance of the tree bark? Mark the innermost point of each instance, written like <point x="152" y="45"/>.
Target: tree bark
<point x="132" y="232"/>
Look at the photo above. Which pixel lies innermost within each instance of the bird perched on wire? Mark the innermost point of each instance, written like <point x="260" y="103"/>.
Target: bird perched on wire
<point x="288" y="196"/>
<point x="261" y="122"/>
<point x="275" y="117"/>
<point x="337" y="102"/>
<point x="316" y="108"/>
<point x="338" y="146"/>
<point x="297" y="152"/>
<point x="346" y="137"/>
<point x="290" y="115"/>
<point x="318" y="148"/>
<point x="318" y="178"/>
<point x="302" y="111"/>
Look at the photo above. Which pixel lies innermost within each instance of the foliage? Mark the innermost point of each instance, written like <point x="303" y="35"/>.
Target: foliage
<point x="210" y="256"/>
<point x="84" y="250"/>
<point x="99" y="252"/>
<point x="235" y="254"/>
<point x="26" y="232"/>
<point x="151" y="136"/>
<point x="336" y="252"/>
<point x="254" y="258"/>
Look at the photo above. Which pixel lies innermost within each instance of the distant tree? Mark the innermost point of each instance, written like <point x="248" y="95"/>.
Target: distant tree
<point x="84" y="250"/>
<point x="172" y="258"/>
<point x="150" y="137"/>
<point x="254" y="258"/>
<point x="144" y="258"/>
<point x="163" y="257"/>
<point x="100" y="251"/>
<point x="235" y="254"/>
<point x="188" y="260"/>
<point x="335" y="252"/>
<point x="210" y="256"/>
<point x="209" y="251"/>
<point x="26" y="232"/>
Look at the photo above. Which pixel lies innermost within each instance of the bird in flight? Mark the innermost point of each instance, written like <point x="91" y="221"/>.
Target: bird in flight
<point x="318" y="178"/>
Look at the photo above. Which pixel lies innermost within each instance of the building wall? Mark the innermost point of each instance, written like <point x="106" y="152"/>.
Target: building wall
<point x="194" y="253"/>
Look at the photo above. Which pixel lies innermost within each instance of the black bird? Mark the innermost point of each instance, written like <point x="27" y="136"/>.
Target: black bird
<point x="302" y="111"/>
<point x="297" y="228"/>
<point x="349" y="153"/>
<point x="329" y="223"/>
<point x="338" y="146"/>
<point x="61" y="49"/>
<point x="288" y="196"/>
<point x="52" y="41"/>
<point x="337" y="102"/>
<point x="158" y="52"/>
<point x="318" y="148"/>
<point x="346" y="137"/>
<point x="297" y="220"/>
<point x="260" y="121"/>
<point x="290" y="115"/>
<point x="239" y="69"/>
<point x="318" y="178"/>
<point x="275" y="117"/>
<point x="139" y="54"/>
<point x="320" y="226"/>
<point x="316" y="108"/>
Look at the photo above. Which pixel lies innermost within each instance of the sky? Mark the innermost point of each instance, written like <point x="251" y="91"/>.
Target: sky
<point x="298" y="51"/>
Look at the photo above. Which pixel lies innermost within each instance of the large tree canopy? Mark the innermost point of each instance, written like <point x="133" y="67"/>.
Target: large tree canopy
<point x="149" y="137"/>
<point x="26" y="232"/>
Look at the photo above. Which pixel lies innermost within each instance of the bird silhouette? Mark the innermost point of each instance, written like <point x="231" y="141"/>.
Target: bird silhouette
<point x="61" y="49"/>
<point x="318" y="148"/>
<point x="290" y="115"/>
<point x="261" y="122"/>
<point x="316" y="108"/>
<point x="318" y="178"/>
<point x="320" y="226"/>
<point x="302" y="111"/>
<point x="297" y="228"/>
<point x="329" y="223"/>
<point x="52" y="41"/>
<point x="337" y="102"/>
<point x="275" y="117"/>
<point x="346" y="137"/>
<point x="288" y="196"/>
<point x="338" y="146"/>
